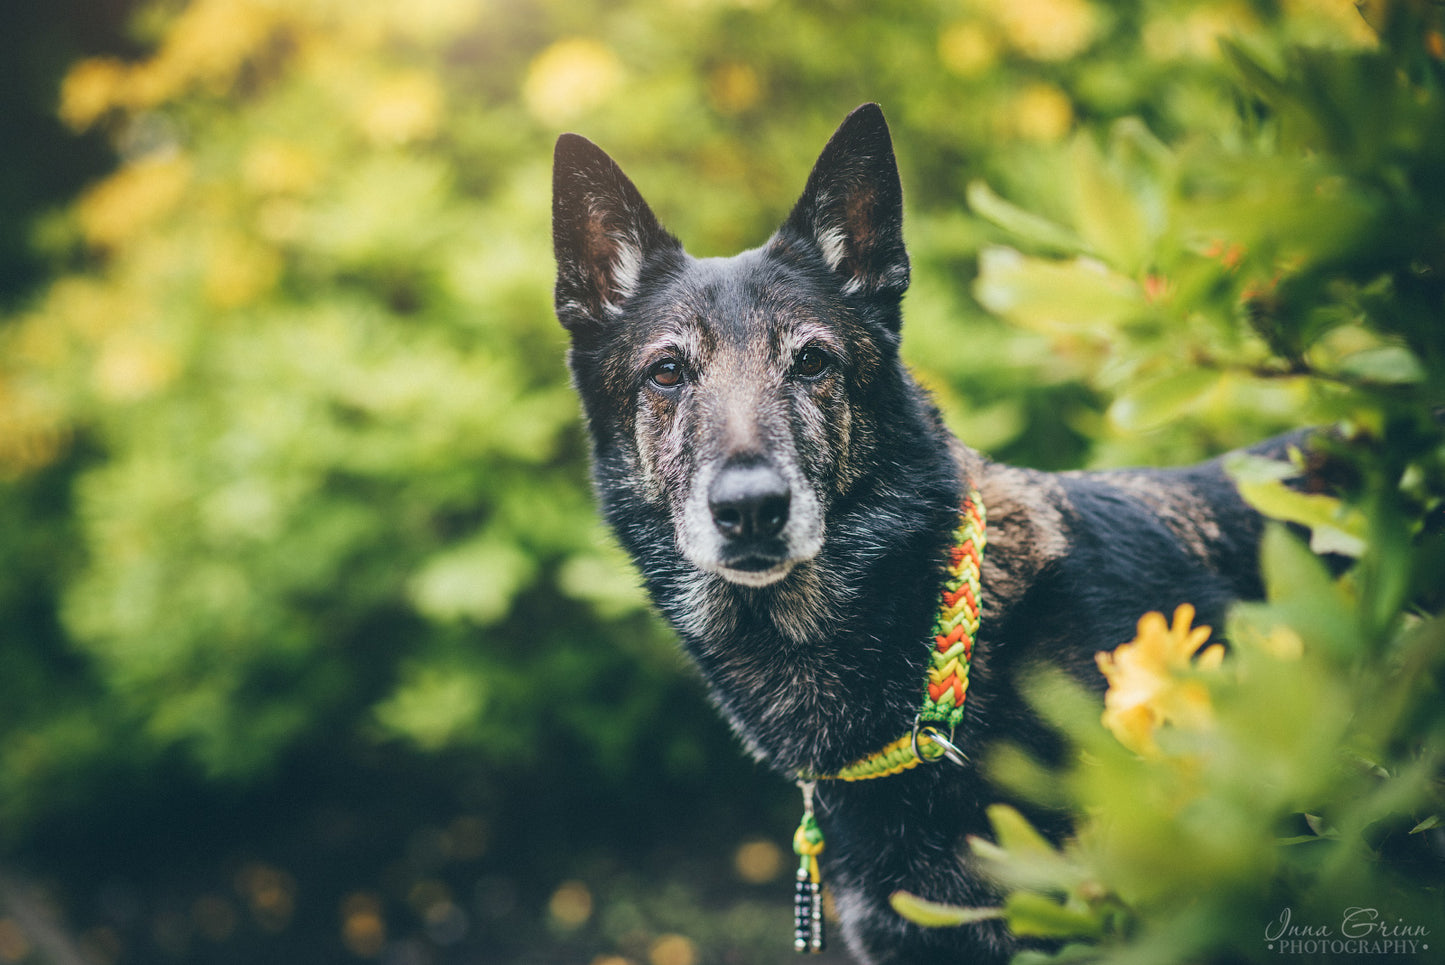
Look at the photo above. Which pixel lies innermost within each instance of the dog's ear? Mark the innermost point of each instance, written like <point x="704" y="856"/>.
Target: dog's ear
<point x="602" y="233"/>
<point x="852" y="208"/>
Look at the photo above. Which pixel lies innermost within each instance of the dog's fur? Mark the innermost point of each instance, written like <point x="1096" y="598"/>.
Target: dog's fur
<point x="789" y="493"/>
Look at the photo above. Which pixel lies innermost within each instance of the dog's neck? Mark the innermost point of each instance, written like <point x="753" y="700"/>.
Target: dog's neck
<point x="830" y="663"/>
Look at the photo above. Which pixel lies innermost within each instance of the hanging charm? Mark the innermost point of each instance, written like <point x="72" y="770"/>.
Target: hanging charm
<point x="808" y="907"/>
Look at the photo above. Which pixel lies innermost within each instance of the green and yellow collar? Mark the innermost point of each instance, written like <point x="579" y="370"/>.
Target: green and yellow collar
<point x="954" y="631"/>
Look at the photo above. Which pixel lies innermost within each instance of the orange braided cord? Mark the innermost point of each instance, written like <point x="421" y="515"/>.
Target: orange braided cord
<point x="958" y="617"/>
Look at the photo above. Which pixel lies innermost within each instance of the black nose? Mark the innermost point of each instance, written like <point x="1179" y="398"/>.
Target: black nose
<point x="749" y="501"/>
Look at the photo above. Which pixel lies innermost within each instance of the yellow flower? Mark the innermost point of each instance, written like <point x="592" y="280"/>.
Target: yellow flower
<point x="1048" y="29"/>
<point x="733" y="88"/>
<point x="967" y="49"/>
<point x="133" y="199"/>
<point x="1042" y="112"/>
<point x="239" y="271"/>
<point x="1148" y="682"/>
<point x="570" y="78"/>
<point x="407" y="107"/>
<point x="90" y="89"/>
<point x="273" y="166"/>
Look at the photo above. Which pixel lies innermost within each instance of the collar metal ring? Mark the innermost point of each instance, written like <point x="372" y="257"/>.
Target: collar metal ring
<point x="950" y="749"/>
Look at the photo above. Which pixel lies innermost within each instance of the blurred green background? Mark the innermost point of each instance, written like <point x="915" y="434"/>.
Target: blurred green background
<point x="311" y="646"/>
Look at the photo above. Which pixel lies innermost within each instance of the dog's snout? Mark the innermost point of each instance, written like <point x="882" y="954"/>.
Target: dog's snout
<point x="749" y="502"/>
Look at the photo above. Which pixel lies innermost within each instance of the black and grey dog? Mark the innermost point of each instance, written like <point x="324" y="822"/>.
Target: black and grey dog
<point x="789" y="494"/>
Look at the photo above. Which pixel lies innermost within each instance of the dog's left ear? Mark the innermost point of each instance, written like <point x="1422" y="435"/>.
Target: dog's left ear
<point x="852" y="208"/>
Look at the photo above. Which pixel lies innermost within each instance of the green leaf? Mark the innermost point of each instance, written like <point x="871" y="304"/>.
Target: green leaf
<point x="1292" y="574"/>
<point x="1026" y="225"/>
<point x="1302" y="594"/>
<point x="475" y="581"/>
<point x="1015" y="834"/>
<point x="1074" y="953"/>
<point x="1056" y="297"/>
<point x="1023" y="857"/>
<point x="1246" y="467"/>
<point x="932" y="914"/>
<point x="434" y="705"/>
<point x="1383" y="365"/>
<point x="1429" y="824"/>
<point x="1037" y="916"/>
<point x="1334" y="527"/>
<point x="1111" y="218"/>
<point x="1162" y="400"/>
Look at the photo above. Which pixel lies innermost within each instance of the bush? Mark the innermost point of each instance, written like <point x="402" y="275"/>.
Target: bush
<point x="1286" y="799"/>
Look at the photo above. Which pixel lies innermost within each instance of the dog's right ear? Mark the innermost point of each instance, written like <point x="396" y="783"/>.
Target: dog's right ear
<point x="602" y="233"/>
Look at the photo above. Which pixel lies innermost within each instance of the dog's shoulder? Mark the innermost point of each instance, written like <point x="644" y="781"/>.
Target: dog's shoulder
<point x="1028" y="529"/>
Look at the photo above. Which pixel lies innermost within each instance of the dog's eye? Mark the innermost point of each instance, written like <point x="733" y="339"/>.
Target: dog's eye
<point x="810" y="363"/>
<point x="666" y="374"/>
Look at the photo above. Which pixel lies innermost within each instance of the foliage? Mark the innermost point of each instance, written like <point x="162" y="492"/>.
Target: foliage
<point x="1289" y="799"/>
<point x="289" y="467"/>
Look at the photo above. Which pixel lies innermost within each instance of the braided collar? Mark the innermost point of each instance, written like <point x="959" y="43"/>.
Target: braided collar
<point x="954" y="631"/>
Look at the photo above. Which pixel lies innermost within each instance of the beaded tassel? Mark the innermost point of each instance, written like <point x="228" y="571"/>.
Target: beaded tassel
<point x="808" y="907"/>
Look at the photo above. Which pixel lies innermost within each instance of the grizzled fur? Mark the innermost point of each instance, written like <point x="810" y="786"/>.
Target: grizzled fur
<point x="788" y="493"/>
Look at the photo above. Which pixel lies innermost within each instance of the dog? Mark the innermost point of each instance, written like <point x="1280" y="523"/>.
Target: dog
<point x="789" y="495"/>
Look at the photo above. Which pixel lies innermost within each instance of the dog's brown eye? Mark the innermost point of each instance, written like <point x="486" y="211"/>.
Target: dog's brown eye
<point x="666" y="374"/>
<point x="810" y="363"/>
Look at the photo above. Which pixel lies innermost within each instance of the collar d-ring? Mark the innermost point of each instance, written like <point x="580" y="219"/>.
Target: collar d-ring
<point x="950" y="749"/>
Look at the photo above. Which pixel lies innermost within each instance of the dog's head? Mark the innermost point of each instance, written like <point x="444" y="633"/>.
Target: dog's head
<point x="734" y="398"/>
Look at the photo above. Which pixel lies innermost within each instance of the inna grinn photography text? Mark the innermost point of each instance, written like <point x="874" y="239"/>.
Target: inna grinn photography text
<point x="1358" y="931"/>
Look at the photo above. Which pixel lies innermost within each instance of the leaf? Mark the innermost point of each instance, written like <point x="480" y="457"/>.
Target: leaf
<point x="474" y="581"/>
<point x="932" y="914"/>
<point x="1111" y="219"/>
<point x="1429" y="824"/>
<point x="1296" y="577"/>
<point x="1015" y="834"/>
<point x="1303" y="599"/>
<point x="1247" y="467"/>
<point x="434" y="705"/>
<point x="1384" y="365"/>
<point x="1056" y="297"/>
<point x="1023" y="857"/>
<point x="1015" y="220"/>
<point x="1161" y="400"/>
<point x="1334" y="527"/>
<point x="1068" y="955"/>
<point x="1037" y="916"/>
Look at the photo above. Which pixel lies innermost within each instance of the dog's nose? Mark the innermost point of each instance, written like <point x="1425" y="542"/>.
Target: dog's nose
<point x="749" y="501"/>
